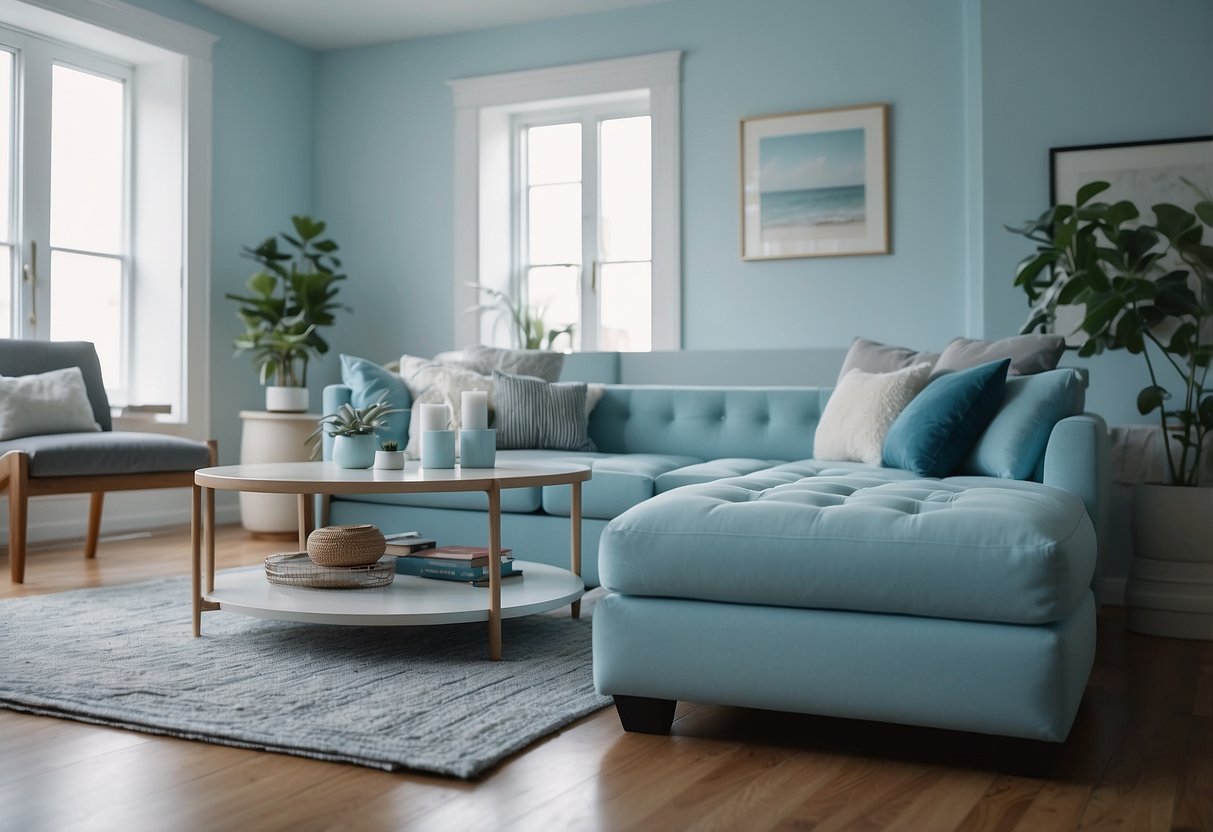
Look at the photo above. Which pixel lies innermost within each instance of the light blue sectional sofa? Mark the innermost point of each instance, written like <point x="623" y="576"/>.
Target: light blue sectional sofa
<point x="743" y="572"/>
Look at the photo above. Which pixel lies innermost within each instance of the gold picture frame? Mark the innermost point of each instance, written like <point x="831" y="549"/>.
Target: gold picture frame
<point x="815" y="183"/>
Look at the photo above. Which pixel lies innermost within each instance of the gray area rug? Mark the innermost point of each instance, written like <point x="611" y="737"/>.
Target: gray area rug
<point x="424" y="698"/>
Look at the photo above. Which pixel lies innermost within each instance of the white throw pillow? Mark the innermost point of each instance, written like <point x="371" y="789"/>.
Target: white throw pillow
<point x="861" y="410"/>
<point x="432" y="383"/>
<point x="54" y="402"/>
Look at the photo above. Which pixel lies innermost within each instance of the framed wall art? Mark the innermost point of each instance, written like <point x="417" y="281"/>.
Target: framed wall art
<point x="815" y="184"/>
<point x="1145" y="173"/>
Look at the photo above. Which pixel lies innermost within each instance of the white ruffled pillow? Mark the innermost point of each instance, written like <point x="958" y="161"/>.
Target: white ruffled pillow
<point x="861" y="410"/>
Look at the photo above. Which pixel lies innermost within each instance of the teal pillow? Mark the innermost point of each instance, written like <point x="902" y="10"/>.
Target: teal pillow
<point x="1012" y="445"/>
<point x="942" y="423"/>
<point x="367" y="382"/>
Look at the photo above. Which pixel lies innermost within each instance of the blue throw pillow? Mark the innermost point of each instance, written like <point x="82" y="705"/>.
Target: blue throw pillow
<point x="943" y="422"/>
<point x="367" y="382"/>
<point x="1012" y="445"/>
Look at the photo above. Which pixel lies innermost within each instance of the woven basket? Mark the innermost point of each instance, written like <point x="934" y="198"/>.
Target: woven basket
<point x="357" y="545"/>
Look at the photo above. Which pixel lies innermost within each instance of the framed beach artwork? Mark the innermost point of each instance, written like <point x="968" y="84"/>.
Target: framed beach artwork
<point x="1145" y="173"/>
<point x="815" y="184"/>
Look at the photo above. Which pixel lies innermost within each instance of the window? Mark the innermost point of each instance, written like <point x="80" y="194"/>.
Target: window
<point x="585" y="217"/>
<point x="567" y="182"/>
<point x="72" y="283"/>
<point x="104" y="196"/>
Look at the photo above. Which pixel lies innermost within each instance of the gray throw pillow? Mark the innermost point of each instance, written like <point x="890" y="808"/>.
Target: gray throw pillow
<point x="874" y="357"/>
<point x="543" y="364"/>
<point x="531" y="413"/>
<point x="1029" y="354"/>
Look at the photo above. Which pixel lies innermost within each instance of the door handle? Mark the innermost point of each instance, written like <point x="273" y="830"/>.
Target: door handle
<point x="29" y="273"/>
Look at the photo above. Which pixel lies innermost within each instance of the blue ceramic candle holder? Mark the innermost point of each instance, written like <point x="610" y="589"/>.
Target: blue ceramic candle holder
<point x="438" y="449"/>
<point x="478" y="448"/>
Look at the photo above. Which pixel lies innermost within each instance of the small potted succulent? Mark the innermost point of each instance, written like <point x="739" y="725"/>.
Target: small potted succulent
<point x="389" y="457"/>
<point x="353" y="431"/>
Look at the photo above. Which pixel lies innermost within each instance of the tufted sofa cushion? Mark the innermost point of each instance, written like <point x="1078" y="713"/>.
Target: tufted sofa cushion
<point x="617" y="483"/>
<point x="712" y="470"/>
<point x="847" y="536"/>
<point x="708" y="422"/>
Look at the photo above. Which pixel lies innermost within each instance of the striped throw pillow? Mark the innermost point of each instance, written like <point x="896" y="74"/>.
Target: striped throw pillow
<point x="531" y="413"/>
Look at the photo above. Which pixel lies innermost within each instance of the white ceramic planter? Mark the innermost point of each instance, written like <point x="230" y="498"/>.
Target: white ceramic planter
<point x="1170" y="587"/>
<point x="355" y="451"/>
<point x="389" y="460"/>
<point x="286" y="399"/>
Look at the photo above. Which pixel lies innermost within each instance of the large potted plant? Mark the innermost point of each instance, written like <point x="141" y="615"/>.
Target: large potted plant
<point x="289" y="298"/>
<point x="1145" y="287"/>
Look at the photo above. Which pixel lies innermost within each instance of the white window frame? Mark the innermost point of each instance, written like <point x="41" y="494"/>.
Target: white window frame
<point x="485" y="110"/>
<point x="171" y="62"/>
<point x="589" y="116"/>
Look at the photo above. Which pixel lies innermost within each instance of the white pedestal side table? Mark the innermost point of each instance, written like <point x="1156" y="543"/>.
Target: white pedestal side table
<point x="272" y="437"/>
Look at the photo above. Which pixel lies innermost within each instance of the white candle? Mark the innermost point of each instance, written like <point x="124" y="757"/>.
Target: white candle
<point x="475" y="405"/>
<point x="434" y="417"/>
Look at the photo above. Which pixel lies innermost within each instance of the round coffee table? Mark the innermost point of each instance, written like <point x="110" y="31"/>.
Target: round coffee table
<point x="408" y="600"/>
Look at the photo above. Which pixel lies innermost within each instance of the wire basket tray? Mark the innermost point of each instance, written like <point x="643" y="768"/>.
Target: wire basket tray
<point x="297" y="569"/>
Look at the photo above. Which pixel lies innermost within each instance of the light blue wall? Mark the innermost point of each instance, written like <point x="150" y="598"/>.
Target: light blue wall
<point x="263" y="116"/>
<point x="384" y="132"/>
<point x="979" y="90"/>
<point x="1058" y="74"/>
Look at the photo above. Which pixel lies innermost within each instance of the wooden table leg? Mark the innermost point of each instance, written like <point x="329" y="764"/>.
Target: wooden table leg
<point x="209" y="528"/>
<point x="306" y="520"/>
<point x="495" y="572"/>
<point x="575" y="542"/>
<point x="196" y="557"/>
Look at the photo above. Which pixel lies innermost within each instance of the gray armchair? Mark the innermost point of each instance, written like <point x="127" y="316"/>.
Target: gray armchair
<point x="76" y="463"/>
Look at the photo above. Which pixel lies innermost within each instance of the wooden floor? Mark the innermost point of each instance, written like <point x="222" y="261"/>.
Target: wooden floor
<point x="1140" y="758"/>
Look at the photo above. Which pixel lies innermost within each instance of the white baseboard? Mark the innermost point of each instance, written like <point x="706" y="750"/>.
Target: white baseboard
<point x="65" y="517"/>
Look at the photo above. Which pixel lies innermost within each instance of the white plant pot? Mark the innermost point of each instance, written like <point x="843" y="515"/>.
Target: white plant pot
<point x="1170" y="587"/>
<point x="286" y="399"/>
<point x="389" y="460"/>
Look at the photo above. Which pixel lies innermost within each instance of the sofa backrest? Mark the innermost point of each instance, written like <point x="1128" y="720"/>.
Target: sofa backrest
<point x="804" y="367"/>
<point x="708" y="422"/>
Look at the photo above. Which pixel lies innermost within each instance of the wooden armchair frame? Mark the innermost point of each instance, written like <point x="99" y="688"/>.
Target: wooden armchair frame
<point x="15" y="479"/>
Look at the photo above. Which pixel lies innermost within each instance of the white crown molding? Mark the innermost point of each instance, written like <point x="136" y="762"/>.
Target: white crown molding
<point x="591" y="78"/>
<point x="124" y="20"/>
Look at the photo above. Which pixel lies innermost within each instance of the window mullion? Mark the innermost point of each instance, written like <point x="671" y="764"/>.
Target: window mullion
<point x="32" y="302"/>
<point x="590" y="244"/>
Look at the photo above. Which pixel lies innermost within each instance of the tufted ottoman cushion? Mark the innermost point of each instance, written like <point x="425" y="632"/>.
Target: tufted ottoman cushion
<point x="826" y="535"/>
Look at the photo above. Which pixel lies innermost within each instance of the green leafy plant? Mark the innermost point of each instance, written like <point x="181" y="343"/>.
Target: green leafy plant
<point x="389" y="445"/>
<point x="527" y="327"/>
<point x="289" y="298"/>
<point x="1143" y="287"/>
<point x="353" y="421"/>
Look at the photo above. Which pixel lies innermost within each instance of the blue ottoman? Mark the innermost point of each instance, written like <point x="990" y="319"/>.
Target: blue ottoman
<point x="852" y="591"/>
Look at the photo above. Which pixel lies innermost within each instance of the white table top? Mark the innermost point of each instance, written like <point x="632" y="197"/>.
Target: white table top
<point x="329" y="478"/>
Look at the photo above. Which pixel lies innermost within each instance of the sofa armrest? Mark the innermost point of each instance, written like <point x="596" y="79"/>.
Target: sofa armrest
<point x="334" y="396"/>
<point x="1077" y="459"/>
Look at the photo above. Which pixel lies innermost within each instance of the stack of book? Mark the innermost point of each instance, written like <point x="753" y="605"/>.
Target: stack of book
<point x="467" y="564"/>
